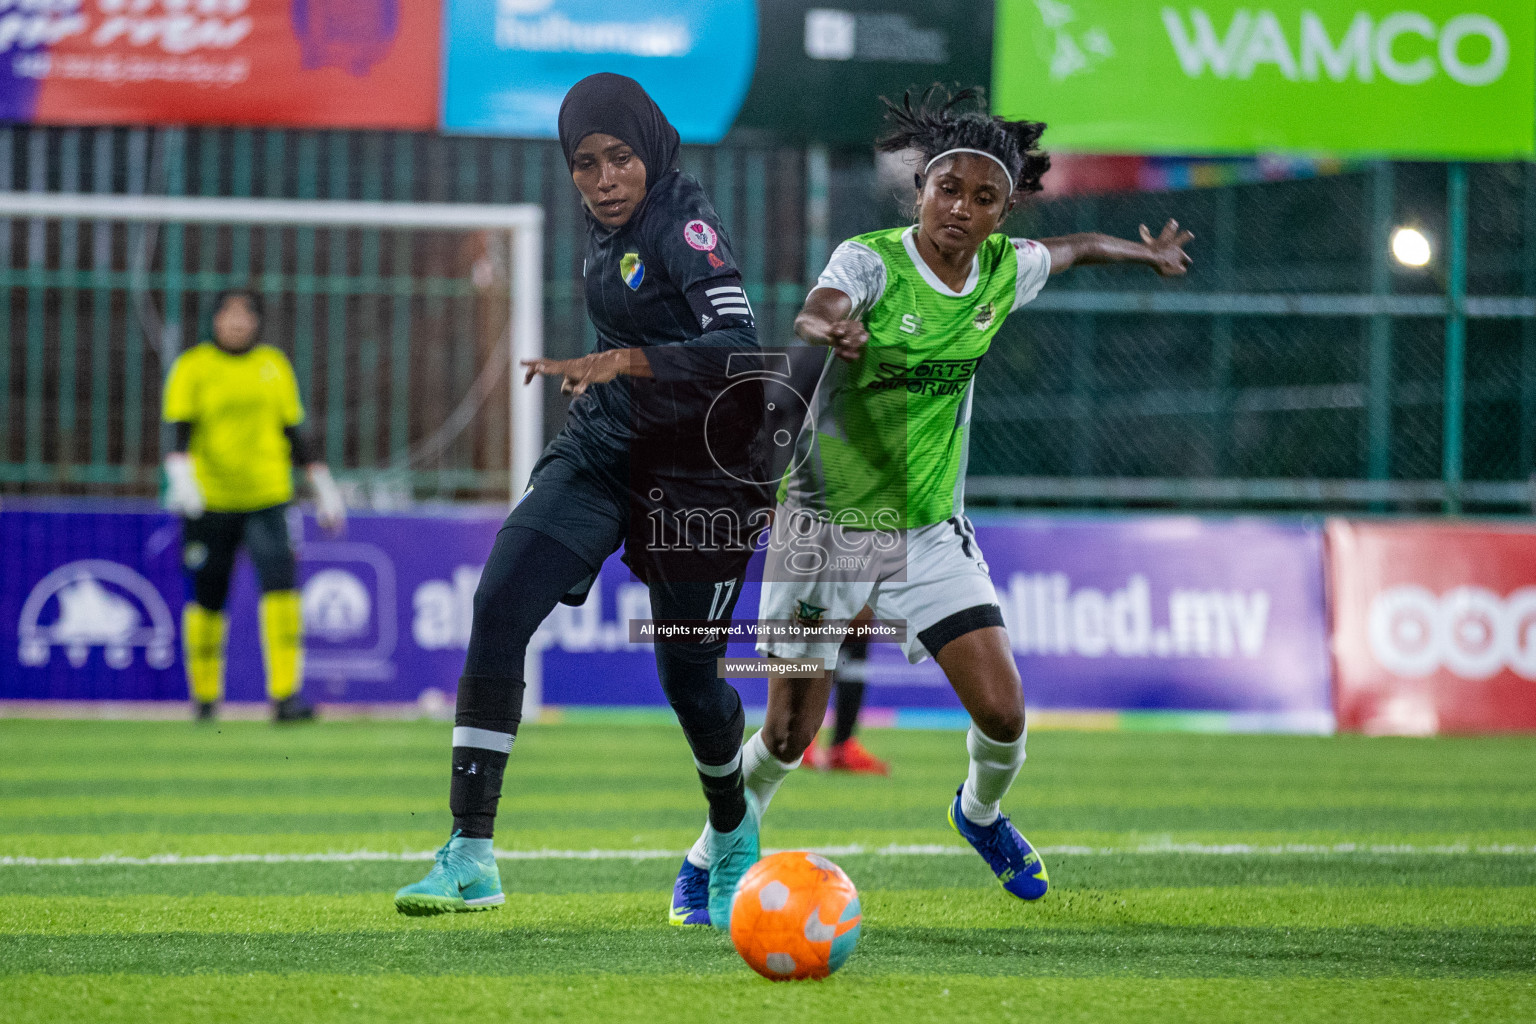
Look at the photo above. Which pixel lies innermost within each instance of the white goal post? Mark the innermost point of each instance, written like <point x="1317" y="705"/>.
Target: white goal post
<point x="522" y="222"/>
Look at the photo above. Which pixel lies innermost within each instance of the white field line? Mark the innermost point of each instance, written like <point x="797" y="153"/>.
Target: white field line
<point x="355" y="856"/>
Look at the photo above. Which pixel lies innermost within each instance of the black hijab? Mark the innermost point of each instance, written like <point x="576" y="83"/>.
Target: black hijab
<point x="619" y="106"/>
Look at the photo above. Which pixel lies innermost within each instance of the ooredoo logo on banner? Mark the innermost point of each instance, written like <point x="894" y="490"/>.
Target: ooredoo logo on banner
<point x="1434" y="627"/>
<point x="322" y="63"/>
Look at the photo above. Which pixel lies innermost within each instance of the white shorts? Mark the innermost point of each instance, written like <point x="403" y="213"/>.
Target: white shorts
<point x="931" y="578"/>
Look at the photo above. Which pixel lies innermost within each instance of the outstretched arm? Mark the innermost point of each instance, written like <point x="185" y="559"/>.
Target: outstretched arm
<point x="823" y="320"/>
<point x="597" y="368"/>
<point x="1164" y="254"/>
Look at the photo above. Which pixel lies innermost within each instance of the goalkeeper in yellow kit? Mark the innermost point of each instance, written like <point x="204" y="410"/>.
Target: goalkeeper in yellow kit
<point x="235" y="408"/>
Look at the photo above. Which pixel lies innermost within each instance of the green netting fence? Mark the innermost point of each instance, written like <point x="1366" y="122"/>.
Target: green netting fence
<point x="1297" y="366"/>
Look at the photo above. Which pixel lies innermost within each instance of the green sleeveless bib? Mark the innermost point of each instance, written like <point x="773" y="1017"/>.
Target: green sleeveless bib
<point x="888" y="445"/>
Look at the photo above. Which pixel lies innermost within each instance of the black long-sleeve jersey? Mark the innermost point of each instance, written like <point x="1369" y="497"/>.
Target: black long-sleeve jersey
<point x="667" y="282"/>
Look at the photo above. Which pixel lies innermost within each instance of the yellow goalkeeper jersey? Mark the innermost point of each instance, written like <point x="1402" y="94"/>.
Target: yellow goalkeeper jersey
<point x="238" y="405"/>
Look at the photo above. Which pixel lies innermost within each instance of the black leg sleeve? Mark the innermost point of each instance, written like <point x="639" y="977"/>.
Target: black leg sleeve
<point x="708" y="708"/>
<point x="524" y="577"/>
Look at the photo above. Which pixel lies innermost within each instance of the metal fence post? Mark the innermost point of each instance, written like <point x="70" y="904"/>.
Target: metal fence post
<point x="174" y="141"/>
<point x="818" y="176"/>
<point x="1084" y="382"/>
<point x="1455" y="334"/>
<point x="101" y="311"/>
<point x="37" y="262"/>
<point x="1527" y="453"/>
<point x="68" y="339"/>
<point x="1220" y="425"/>
<point x="1379" y="352"/>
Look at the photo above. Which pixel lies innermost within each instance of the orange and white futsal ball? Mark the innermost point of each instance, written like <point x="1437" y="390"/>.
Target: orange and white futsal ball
<point x="796" y="915"/>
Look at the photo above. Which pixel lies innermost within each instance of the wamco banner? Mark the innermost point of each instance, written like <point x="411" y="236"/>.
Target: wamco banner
<point x="1429" y="79"/>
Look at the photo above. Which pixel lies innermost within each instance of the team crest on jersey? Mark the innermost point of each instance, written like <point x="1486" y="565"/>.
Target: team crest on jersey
<point x="985" y="314"/>
<point x="632" y="270"/>
<point x="700" y="236"/>
<point x="807" y="614"/>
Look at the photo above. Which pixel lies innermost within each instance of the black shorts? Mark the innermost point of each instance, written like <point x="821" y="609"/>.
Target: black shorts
<point x="210" y="542"/>
<point x="683" y="529"/>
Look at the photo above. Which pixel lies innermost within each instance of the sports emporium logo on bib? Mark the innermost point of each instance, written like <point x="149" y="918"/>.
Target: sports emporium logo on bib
<point x="700" y="235"/>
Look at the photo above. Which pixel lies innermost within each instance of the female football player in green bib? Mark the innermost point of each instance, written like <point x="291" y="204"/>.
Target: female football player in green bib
<point x="870" y="511"/>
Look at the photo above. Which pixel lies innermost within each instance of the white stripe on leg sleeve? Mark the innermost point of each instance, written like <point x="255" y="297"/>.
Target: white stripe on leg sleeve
<point x="484" y="739"/>
<point x="718" y="771"/>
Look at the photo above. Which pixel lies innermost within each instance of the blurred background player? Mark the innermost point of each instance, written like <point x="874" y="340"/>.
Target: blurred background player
<point x="908" y="314"/>
<point x="849" y="681"/>
<point x="665" y="296"/>
<point x="234" y="407"/>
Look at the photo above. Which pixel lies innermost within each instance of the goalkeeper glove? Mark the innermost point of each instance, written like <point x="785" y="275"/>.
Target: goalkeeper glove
<point x="182" y="495"/>
<point x="330" y="508"/>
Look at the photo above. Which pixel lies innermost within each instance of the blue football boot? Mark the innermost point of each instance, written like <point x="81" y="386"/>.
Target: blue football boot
<point x="1018" y="868"/>
<point x="464" y="877"/>
<point x="730" y="855"/>
<point x="690" y="896"/>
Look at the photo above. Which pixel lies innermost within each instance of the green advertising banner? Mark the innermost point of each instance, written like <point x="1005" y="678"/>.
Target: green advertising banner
<point x="1426" y="79"/>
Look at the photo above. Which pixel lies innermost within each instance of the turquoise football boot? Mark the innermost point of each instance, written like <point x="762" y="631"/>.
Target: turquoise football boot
<point x="1018" y="868"/>
<point x="730" y="855"/>
<point x="464" y="877"/>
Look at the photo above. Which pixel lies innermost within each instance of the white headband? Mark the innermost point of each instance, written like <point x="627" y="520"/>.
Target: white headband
<point x="979" y="152"/>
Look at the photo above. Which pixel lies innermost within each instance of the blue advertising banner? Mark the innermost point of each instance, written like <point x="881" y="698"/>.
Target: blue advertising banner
<point x="91" y="597"/>
<point x="509" y="63"/>
<point x="1155" y="613"/>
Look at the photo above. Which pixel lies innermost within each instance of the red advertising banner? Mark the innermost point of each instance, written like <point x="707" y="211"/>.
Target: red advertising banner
<point x="1434" y="627"/>
<point x="296" y="63"/>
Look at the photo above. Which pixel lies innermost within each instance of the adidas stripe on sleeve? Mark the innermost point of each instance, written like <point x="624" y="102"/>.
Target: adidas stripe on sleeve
<point x="728" y="299"/>
<point x="720" y="303"/>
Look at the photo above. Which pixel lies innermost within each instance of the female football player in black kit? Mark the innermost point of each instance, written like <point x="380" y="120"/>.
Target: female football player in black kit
<point x="634" y="466"/>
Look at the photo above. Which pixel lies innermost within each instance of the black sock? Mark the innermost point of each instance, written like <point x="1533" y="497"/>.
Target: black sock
<point x="725" y="792"/>
<point x="476" y="790"/>
<point x="727" y="798"/>
<point x="850" y="691"/>
<point x="488" y="713"/>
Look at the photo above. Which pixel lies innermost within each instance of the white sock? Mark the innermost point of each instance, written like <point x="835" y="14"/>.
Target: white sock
<point x="762" y="773"/>
<point x="994" y="766"/>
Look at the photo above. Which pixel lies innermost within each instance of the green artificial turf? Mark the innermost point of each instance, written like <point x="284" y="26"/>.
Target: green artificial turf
<point x="1195" y="877"/>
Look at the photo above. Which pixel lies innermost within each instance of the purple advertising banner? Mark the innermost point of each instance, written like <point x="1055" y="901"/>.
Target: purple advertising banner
<point x="91" y="597"/>
<point x="1113" y="613"/>
<point x="1105" y="614"/>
